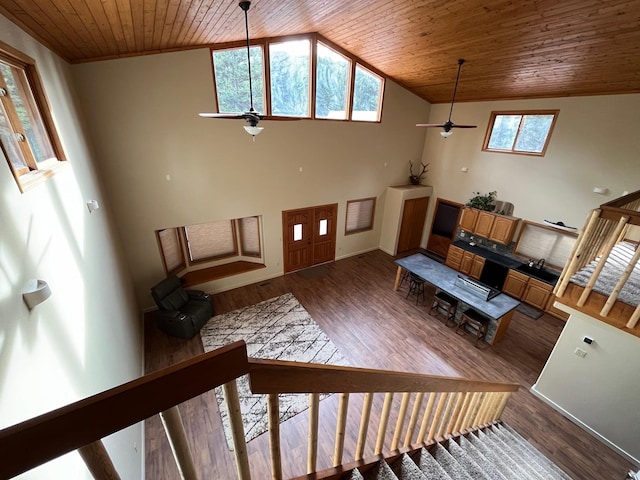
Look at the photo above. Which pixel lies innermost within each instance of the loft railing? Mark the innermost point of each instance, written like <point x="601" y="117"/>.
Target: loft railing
<point x="452" y="405"/>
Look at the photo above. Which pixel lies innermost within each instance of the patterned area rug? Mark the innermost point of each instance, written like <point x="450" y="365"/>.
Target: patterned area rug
<point x="277" y="329"/>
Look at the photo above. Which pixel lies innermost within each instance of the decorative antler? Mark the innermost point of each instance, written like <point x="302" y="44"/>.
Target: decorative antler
<point x="415" y="179"/>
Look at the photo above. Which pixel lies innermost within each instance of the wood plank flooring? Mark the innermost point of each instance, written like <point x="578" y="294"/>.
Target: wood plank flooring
<point x="354" y="303"/>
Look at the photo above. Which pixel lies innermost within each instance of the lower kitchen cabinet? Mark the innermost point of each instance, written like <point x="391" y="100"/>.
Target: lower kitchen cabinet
<point x="515" y="284"/>
<point x="454" y="257"/>
<point x="536" y="293"/>
<point x="476" y="267"/>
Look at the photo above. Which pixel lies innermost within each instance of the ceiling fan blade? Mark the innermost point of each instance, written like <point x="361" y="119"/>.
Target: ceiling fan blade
<point x="440" y="125"/>
<point x="463" y="126"/>
<point x="221" y="115"/>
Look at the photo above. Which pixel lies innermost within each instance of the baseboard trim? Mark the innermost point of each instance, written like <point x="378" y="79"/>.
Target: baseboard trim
<point x="584" y="426"/>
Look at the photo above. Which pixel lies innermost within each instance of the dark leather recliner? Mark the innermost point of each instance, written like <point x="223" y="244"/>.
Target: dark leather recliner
<point x="182" y="313"/>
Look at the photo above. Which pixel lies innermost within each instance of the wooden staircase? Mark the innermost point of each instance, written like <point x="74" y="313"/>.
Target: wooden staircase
<point x="429" y="409"/>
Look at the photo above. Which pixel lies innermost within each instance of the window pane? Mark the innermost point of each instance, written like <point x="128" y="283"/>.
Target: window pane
<point x="27" y="111"/>
<point x="331" y="84"/>
<point x="232" y="79"/>
<point x="297" y="232"/>
<point x="249" y="236"/>
<point x="322" y="228"/>
<point x="9" y="144"/>
<point x="360" y="215"/>
<point x="503" y="134"/>
<point x="208" y="241"/>
<point x="366" y="96"/>
<point x="289" y="73"/>
<point x="533" y="134"/>
<point x="170" y="250"/>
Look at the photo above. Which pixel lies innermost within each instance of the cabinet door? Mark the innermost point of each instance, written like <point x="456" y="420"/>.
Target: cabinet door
<point x="515" y="284"/>
<point x="537" y="293"/>
<point x="467" y="261"/>
<point x="412" y="224"/>
<point x="484" y="224"/>
<point x="454" y="257"/>
<point x="476" y="267"/>
<point x="469" y="218"/>
<point x="503" y="229"/>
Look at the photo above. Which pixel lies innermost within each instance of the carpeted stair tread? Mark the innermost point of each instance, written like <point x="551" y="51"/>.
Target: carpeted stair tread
<point x="429" y="466"/>
<point x="405" y="469"/>
<point x="449" y="464"/>
<point x="531" y="470"/>
<point x="551" y="467"/>
<point x="469" y="464"/>
<point x="381" y="471"/>
<point x="505" y="464"/>
<point x="489" y="467"/>
<point x="356" y="475"/>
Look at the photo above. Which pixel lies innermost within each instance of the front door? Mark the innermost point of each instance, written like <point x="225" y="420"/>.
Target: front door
<point x="309" y="236"/>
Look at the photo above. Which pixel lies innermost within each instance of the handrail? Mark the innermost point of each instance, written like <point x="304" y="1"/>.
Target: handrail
<point x="626" y="205"/>
<point x="31" y="443"/>
<point x="278" y="376"/>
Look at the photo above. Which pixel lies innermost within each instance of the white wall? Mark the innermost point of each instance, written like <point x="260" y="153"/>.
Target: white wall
<point x="87" y="336"/>
<point x="595" y="142"/>
<point x="143" y="115"/>
<point x="601" y="390"/>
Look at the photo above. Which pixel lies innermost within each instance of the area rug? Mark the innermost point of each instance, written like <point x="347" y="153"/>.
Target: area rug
<point x="529" y="311"/>
<point x="277" y="329"/>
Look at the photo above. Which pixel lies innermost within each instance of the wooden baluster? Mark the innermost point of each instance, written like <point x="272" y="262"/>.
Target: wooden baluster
<point x="473" y="410"/>
<point x="237" y="430"/>
<point x="402" y="414"/>
<point x="98" y="462"/>
<point x="343" y="407"/>
<point x="442" y="428"/>
<point x="486" y="399"/>
<point x="463" y="412"/>
<point x="456" y="412"/>
<point x="312" y="452"/>
<point x="623" y="279"/>
<point x="413" y="420"/>
<point x="492" y="407"/>
<point x="436" y="416"/>
<point x="384" y="419"/>
<point x="174" y="428"/>
<point x="425" y="419"/>
<point x="605" y="255"/>
<point x="364" y="425"/>
<point x="503" y="402"/>
<point x="633" y="321"/>
<point x="273" y="412"/>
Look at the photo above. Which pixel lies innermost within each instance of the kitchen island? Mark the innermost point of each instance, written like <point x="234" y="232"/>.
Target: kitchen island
<point x="499" y="309"/>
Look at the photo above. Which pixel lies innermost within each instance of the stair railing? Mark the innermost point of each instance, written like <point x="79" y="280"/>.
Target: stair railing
<point x="452" y="405"/>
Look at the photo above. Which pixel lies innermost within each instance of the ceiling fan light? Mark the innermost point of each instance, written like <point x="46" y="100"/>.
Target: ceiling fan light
<point x="443" y="133"/>
<point x="253" y="131"/>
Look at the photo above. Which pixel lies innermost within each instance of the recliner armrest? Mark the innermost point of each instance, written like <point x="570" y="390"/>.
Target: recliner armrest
<point x="197" y="295"/>
<point x="169" y="314"/>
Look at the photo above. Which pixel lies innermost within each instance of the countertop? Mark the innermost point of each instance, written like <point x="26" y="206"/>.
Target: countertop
<point x="507" y="260"/>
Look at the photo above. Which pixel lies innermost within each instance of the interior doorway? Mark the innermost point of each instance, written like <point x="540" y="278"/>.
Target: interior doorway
<point x="309" y="236"/>
<point x="446" y="217"/>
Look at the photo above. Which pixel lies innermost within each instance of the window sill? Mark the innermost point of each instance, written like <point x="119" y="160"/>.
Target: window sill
<point x="209" y="274"/>
<point x="36" y="177"/>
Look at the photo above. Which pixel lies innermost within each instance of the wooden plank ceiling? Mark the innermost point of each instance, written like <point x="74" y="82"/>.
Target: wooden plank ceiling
<point x="513" y="48"/>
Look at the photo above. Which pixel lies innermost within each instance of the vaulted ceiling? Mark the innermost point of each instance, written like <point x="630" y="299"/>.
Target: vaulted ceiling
<point x="513" y="48"/>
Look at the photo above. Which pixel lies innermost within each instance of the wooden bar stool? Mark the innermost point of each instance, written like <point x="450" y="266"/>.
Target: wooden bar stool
<point x="416" y="287"/>
<point x="478" y="323"/>
<point x="445" y="303"/>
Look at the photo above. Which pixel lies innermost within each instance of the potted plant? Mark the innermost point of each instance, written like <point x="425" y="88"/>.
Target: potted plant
<point x="482" y="201"/>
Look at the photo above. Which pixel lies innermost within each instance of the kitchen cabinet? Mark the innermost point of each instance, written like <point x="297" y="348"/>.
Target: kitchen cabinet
<point x="515" y="284"/>
<point x="484" y="224"/>
<point x="454" y="257"/>
<point x="528" y="289"/>
<point x="468" y="219"/>
<point x="467" y="261"/>
<point x="495" y="227"/>
<point x="476" y="267"/>
<point x="550" y="309"/>
<point x="536" y="293"/>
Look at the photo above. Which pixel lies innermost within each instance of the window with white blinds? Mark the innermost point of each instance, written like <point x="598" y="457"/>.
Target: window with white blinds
<point x="210" y="241"/>
<point x="538" y="242"/>
<point x="249" y="230"/>
<point x="170" y="250"/>
<point x="360" y="215"/>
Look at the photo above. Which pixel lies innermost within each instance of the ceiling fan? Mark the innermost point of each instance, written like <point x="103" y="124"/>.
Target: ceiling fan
<point x="251" y="116"/>
<point x="448" y="125"/>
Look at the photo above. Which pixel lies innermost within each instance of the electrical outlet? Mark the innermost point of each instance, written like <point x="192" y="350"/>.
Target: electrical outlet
<point x="579" y="352"/>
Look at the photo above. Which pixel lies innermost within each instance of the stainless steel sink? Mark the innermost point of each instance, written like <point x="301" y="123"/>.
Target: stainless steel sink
<point x="539" y="273"/>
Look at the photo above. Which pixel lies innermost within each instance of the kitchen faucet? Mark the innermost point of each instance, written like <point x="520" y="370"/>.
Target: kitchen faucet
<point x="540" y="264"/>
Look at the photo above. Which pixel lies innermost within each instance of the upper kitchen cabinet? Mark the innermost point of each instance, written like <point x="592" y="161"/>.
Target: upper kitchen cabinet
<point x="495" y="227"/>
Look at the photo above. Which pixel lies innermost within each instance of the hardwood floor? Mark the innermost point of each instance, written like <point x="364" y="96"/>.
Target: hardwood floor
<point x="375" y="327"/>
